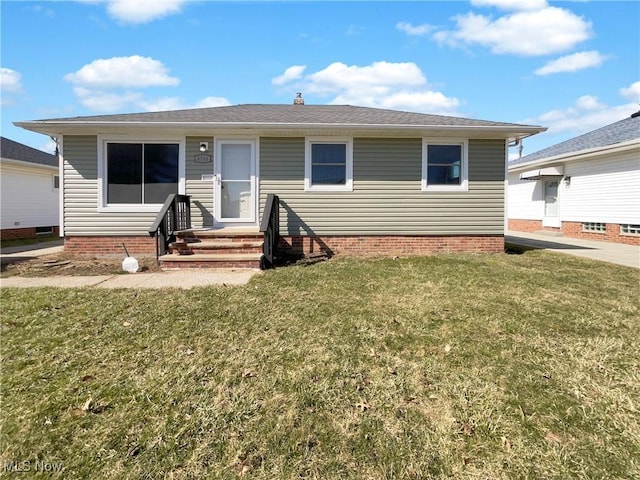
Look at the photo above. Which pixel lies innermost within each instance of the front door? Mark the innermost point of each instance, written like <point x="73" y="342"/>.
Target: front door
<point x="235" y="186"/>
<point x="551" y="218"/>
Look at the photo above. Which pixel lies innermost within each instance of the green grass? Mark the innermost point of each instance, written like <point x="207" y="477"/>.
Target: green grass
<point x="492" y="366"/>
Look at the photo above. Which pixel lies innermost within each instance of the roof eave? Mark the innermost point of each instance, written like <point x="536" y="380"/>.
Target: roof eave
<point x="52" y="127"/>
<point x="579" y="155"/>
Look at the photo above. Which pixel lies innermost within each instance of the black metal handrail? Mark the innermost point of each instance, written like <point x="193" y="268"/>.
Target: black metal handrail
<point x="270" y="226"/>
<point x="175" y="215"/>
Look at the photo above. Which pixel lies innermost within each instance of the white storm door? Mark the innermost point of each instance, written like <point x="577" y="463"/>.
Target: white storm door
<point x="235" y="186"/>
<point x="551" y="218"/>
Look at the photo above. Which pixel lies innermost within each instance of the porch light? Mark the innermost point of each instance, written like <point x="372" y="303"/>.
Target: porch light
<point x="567" y="181"/>
<point x="204" y="146"/>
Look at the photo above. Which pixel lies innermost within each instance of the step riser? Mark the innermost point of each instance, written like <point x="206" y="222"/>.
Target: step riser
<point x="214" y="251"/>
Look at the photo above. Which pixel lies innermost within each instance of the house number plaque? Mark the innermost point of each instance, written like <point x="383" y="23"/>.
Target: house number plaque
<point x="202" y="159"/>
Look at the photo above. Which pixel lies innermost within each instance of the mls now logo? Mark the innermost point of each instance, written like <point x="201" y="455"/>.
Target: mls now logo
<point x="31" y="466"/>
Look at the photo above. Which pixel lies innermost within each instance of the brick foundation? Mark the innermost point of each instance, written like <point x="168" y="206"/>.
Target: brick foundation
<point x="136" y="245"/>
<point x="21" y="233"/>
<point x="392" y="244"/>
<point x="574" y="230"/>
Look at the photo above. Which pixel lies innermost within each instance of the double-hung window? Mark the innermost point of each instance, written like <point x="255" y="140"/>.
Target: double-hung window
<point x="328" y="165"/>
<point x="139" y="175"/>
<point x="444" y="165"/>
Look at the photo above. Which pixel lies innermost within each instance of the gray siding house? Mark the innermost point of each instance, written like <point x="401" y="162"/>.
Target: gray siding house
<point x="346" y="179"/>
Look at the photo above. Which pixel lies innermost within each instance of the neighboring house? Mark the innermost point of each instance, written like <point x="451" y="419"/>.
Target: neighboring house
<point x="29" y="191"/>
<point x="349" y="179"/>
<point x="587" y="187"/>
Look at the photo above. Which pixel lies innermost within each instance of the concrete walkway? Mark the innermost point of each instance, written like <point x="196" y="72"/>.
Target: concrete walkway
<point x="197" y="277"/>
<point x="168" y="279"/>
<point x="627" y="255"/>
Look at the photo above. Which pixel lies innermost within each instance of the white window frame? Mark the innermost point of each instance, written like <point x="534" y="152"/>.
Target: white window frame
<point x="308" y="185"/>
<point x="103" y="140"/>
<point x="464" y="167"/>
<point x="629" y="229"/>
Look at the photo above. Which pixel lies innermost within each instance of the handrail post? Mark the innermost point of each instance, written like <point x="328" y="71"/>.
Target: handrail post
<point x="170" y="220"/>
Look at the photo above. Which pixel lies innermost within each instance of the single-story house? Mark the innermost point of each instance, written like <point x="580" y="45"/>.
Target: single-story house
<point x="344" y="179"/>
<point x="29" y="191"/>
<point x="586" y="187"/>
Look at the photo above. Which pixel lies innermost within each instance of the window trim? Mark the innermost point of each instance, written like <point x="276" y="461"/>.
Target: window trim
<point x="348" y="186"/>
<point x="464" y="167"/>
<point x="103" y="140"/>
<point x="632" y="229"/>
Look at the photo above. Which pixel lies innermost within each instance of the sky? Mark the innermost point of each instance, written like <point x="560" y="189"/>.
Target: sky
<point x="571" y="66"/>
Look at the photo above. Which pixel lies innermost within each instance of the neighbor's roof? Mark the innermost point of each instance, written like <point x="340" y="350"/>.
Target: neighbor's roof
<point x="623" y="131"/>
<point x="283" y="116"/>
<point x="17" y="151"/>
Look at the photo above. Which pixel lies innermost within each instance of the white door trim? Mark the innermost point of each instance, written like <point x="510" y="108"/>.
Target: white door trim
<point x="551" y="220"/>
<point x="252" y="220"/>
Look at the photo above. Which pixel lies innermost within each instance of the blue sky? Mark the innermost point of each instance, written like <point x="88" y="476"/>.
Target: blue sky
<point x="569" y="66"/>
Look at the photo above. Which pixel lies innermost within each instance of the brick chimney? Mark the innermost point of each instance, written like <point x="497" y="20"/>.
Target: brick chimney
<point x="298" y="100"/>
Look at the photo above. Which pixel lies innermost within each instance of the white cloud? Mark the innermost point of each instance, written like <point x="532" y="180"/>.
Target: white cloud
<point x="415" y="30"/>
<point x="116" y="84"/>
<point x="400" y="86"/>
<point x="572" y="63"/>
<point x="177" y="103"/>
<point x="106" y="101"/>
<point x="534" y="32"/>
<point x="632" y="92"/>
<point x="10" y="85"/>
<point x="143" y="11"/>
<point x="292" y="73"/>
<point x="126" y="72"/>
<point x="10" y="81"/>
<point x="511" y="4"/>
<point x="587" y="113"/>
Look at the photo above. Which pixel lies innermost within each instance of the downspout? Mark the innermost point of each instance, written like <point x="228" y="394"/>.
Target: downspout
<point x="60" y="153"/>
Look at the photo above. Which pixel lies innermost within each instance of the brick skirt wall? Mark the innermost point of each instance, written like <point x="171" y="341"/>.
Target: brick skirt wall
<point x="392" y="244"/>
<point x="20" y="233"/>
<point x="574" y="230"/>
<point x="136" y="245"/>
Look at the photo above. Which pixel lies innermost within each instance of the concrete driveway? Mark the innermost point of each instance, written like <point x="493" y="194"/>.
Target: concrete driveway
<point x="627" y="255"/>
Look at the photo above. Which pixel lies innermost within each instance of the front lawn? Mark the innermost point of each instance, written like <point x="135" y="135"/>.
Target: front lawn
<point x="451" y="366"/>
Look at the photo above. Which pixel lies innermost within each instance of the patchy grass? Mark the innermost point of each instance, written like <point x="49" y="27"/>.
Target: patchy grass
<point x="493" y="366"/>
<point x="19" y="242"/>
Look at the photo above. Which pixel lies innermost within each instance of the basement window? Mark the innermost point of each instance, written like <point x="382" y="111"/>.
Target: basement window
<point x="44" y="230"/>
<point x="594" y="227"/>
<point x="629" y="229"/>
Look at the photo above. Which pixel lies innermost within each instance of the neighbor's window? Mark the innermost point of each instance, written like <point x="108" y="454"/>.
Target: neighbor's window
<point x="594" y="227"/>
<point x="629" y="229"/>
<point x="56" y="181"/>
<point x="328" y="165"/>
<point x="141" y="173"/>
<point x="444" y="165"/>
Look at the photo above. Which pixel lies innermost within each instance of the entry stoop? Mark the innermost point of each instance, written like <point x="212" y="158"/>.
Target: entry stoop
<point x="215" y="248"/>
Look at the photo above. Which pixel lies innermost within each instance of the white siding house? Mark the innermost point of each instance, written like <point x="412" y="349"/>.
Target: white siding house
<point x="586" y="187"/>
<point x="29" y="191"/>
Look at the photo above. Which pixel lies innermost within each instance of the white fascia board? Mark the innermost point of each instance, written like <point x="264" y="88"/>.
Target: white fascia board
<point x="21" y="163"/>
<point x="50" y="127"/>
<point x="579" y="155"/>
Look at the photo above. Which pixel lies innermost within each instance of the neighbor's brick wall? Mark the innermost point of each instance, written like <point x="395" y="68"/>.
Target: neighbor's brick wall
<point x="393" y="245"/>
<point x="574" y="230"/>
<point x="108" y="245"/>
<point x="20" y="233"/>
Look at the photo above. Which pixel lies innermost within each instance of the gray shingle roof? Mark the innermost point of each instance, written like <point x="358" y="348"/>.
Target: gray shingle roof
<point x="618" y="132"/>
<point x="289" y="114"/>
<point x="17" y="151"/>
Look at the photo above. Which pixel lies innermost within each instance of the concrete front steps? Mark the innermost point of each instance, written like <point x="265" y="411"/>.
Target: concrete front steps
<point x="215" y="248"/>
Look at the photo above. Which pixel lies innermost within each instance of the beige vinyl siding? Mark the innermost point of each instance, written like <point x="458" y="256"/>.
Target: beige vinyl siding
<point x="201" y="191"/>
<point x="386" y="196"/>
<point x="81" y="216"/>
